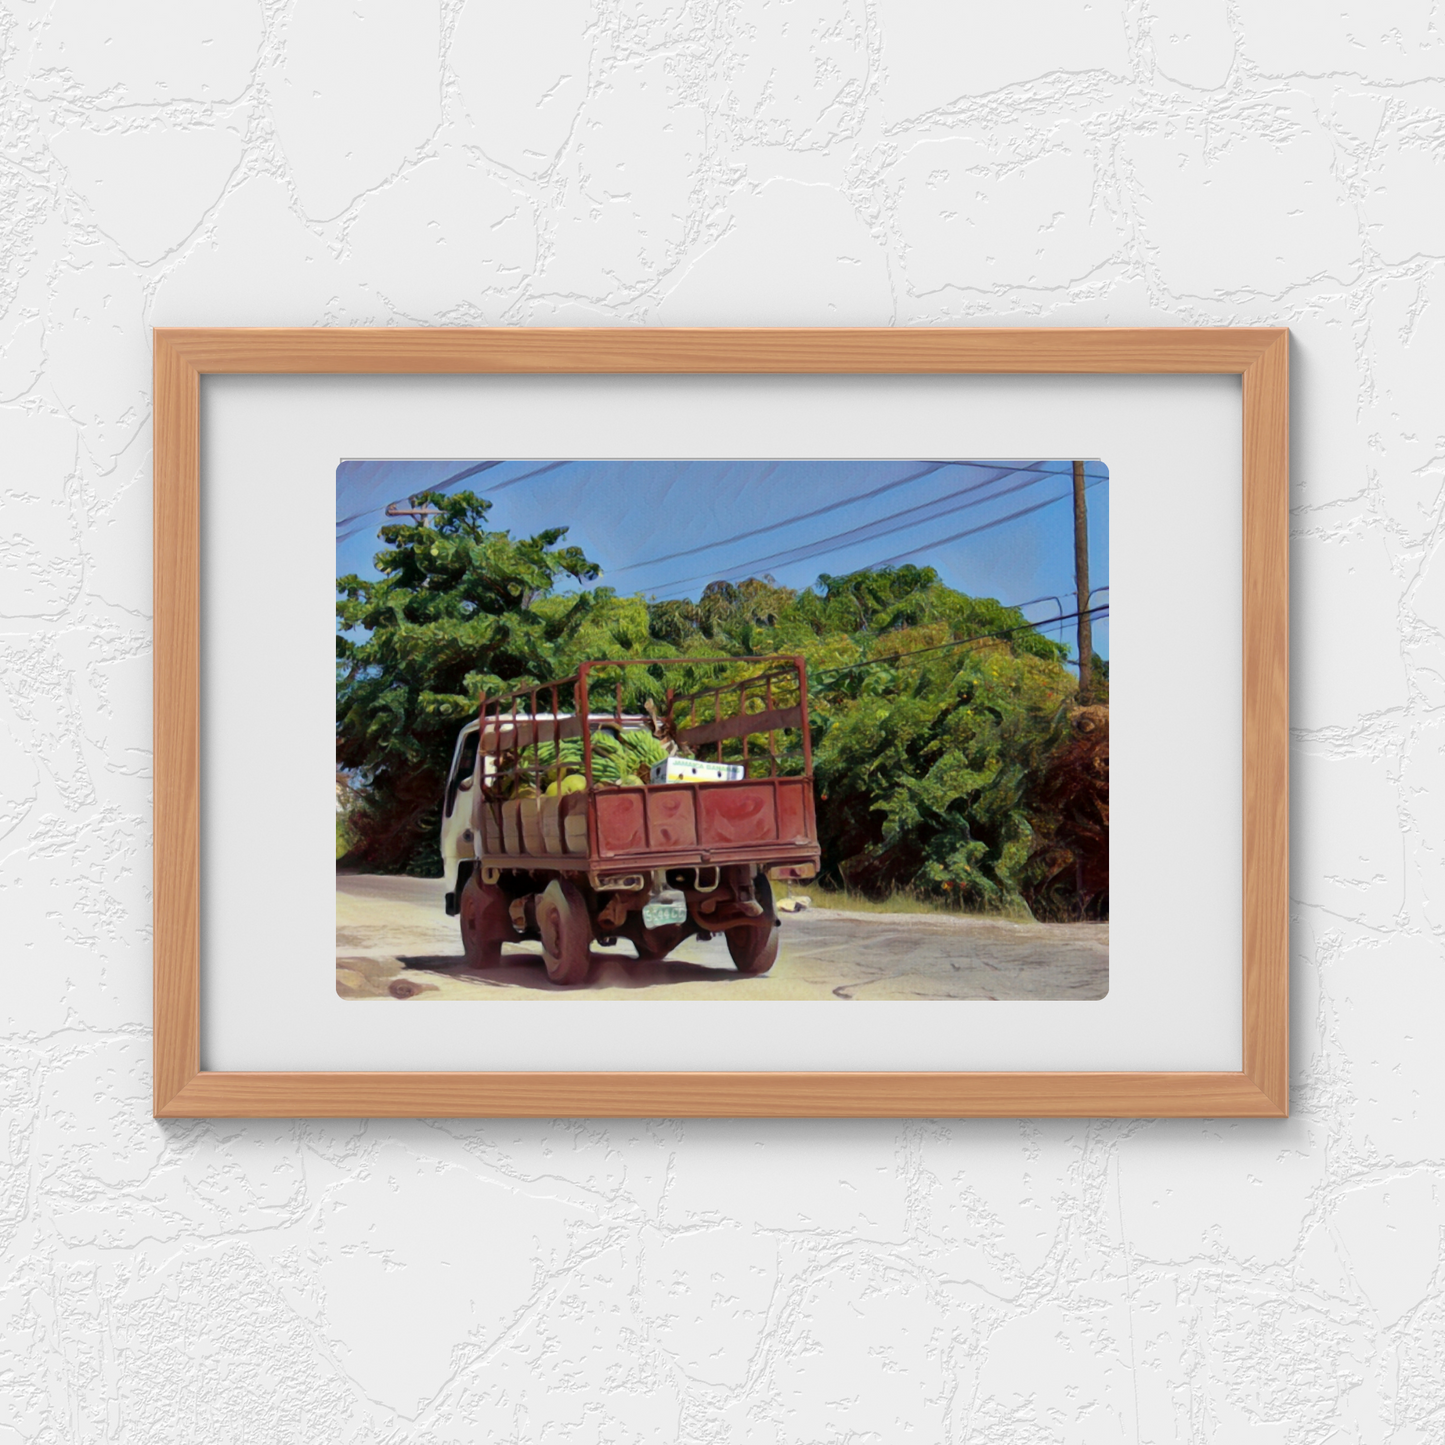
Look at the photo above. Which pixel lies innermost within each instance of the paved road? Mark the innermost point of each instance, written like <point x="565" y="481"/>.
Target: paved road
<point x="393" y="936"/>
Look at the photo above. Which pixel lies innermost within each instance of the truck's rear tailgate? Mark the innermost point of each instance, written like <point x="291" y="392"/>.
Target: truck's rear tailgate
<point x="718" y="821"/>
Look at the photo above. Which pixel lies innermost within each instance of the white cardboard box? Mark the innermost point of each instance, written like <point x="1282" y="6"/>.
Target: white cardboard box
<point x="692" y="770"/>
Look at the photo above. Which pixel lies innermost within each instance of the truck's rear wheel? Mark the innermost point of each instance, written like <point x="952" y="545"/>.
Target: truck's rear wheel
<point x="485" y="923"/>
<point x="566" y="932"/>
<point x="754" y="946"/>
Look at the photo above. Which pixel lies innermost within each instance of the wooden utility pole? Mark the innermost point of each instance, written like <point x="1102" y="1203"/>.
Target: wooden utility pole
<point x="1081" y="587"/>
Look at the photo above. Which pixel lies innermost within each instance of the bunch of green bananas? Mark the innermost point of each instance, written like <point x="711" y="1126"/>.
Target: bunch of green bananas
<point x="624" y="757"/>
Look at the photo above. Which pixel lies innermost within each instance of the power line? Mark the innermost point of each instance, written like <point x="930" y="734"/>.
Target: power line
<point x="1056" y="600"/>
<point x="971" y="531"/>
<point x="886" y="527"/>
<point x="448" y="482"/>
<point x="901" y="556"/>
<point x="929" y="470"/>
<point x="882" y="527"/>
<point x="451" y="481"/>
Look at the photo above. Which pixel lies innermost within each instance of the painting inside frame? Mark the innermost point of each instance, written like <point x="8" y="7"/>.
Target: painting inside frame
<point x="1171" y="1007"/>
<point x="722" y="730"/>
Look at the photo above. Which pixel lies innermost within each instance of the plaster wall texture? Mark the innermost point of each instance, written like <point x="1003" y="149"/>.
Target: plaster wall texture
<point x="690" y="161"/>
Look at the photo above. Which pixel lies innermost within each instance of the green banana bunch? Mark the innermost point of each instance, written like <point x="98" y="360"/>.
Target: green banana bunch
<point x="625" y="757"/>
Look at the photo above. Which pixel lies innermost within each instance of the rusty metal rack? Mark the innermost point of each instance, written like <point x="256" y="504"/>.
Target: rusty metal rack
<point x="765" y="816"/>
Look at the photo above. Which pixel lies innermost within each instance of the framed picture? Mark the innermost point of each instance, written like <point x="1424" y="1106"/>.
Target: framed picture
<point x="721" y="723"/>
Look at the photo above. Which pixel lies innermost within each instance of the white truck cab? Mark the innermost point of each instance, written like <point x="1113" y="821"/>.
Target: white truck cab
<point x="458" y="842"/>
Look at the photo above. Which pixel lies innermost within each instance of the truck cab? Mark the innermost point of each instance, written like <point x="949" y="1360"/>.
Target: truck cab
<point x="458" y="838"/>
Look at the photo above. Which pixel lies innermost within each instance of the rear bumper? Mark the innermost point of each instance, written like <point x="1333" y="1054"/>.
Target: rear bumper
<point x="765" y="855"/>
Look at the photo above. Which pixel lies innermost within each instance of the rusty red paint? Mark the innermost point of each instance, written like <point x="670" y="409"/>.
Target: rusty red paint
<point x="737" y="813"/>
<point x="621" y="821"/>
<point x="795" y="812"/>
<point x="671" y="817"/>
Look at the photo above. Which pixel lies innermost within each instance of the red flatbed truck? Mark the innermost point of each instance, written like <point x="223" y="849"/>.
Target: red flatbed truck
<point x="693" y="853"/>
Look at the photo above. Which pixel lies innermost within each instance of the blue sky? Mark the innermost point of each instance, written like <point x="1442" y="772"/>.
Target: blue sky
<point x="992" y="528"/>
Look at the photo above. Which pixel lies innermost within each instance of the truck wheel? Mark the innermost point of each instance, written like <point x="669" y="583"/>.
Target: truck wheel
<point x="485" y="923"/>
<point x="566" y="933"/>
<point x="754" y="946"/>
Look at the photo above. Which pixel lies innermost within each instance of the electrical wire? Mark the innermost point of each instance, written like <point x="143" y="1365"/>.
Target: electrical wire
<point x="929" y="470"/>
<point x="452" y="481"/>
<point x="969" y="532"/>
<point x="886" y="527"/>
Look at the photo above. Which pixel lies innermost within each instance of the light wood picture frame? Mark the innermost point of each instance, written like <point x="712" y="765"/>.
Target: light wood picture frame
<point x="1259" y="356"/>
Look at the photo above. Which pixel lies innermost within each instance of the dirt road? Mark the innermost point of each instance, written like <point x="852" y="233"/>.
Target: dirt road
<point x="393" y="939"/>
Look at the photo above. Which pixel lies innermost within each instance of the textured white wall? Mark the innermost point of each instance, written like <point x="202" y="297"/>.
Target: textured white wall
<point x="760" y="161"/>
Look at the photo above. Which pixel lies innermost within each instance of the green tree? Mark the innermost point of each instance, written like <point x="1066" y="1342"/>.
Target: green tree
<point x="933" y="714"/>
<point x="923" y="767"/>
<point x="458" y="610"/>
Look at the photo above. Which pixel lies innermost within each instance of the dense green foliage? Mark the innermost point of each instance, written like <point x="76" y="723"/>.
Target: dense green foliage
<point x="457" y="610"/>
<point x="954" y="770"/>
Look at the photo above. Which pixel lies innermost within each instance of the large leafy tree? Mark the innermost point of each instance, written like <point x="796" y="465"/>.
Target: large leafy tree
<point x="457" y="610"/>
<point x="934" y="716"/>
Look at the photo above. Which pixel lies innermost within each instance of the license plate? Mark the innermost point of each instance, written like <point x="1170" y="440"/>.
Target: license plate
<point x="655" y="915"/>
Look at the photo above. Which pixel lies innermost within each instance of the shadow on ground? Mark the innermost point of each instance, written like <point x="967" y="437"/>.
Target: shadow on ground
<point x="361" y="977"/>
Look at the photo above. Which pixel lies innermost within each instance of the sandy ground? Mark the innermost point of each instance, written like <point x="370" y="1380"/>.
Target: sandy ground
<point x="393" y="938"/>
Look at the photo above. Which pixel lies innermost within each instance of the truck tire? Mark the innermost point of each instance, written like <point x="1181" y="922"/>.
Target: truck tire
<point x="754" y="946"/>
<point x="566" y="931"/>
<point x="485" y="923"/>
